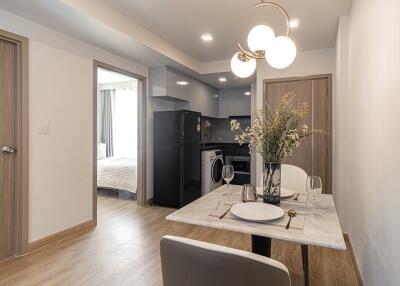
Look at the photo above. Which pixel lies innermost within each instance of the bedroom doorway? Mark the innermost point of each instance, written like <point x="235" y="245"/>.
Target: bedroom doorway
<point x="119" y="131"/>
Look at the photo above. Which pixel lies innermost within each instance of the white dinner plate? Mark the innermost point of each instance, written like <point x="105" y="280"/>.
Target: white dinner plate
<point x="285" y="193"/>
<point x="257" y="212"/>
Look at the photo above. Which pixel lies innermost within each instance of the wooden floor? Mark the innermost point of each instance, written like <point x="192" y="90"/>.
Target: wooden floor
<point x="124" y="250"/>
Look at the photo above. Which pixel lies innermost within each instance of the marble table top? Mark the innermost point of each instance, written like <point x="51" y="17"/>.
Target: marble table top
<point x="321" y="229"/>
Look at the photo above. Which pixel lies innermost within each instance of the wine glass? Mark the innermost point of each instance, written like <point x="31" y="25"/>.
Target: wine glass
<point x="227" y="174"/>
<point x="314" y="188"/>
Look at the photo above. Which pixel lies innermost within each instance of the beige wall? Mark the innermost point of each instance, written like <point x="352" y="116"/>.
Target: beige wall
<point x="367" y="153"/>
<point x="61" y="162"/>
<point x="313" y="62"/>
<point x="60" y="90"/>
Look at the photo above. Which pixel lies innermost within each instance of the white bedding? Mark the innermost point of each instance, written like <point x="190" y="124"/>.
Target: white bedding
<point x="117" y="173"/>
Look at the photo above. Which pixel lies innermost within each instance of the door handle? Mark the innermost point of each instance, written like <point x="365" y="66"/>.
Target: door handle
<point x="8" y="149"/>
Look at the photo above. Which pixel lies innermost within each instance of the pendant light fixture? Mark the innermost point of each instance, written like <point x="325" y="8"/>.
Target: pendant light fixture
<point x="279" y="52"/>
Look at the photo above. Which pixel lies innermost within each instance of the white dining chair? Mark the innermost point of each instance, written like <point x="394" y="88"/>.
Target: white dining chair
<point x="292" y="177"/>
<point x="190" y="262"/>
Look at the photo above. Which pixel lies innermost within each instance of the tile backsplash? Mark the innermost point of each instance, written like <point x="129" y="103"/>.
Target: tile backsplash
<point x="218" y="130"/>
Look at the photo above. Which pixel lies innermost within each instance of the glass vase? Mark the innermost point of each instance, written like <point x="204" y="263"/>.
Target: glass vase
<point x="272" y="183"/>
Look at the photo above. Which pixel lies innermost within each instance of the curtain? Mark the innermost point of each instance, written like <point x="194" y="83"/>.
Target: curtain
<point x="107" y="137"/>
<point x="125" y="122"/>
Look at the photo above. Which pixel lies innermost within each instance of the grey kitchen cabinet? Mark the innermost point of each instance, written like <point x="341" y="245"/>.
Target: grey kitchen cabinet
<point x="194" y="95"/>
<point x="163" y="83"/>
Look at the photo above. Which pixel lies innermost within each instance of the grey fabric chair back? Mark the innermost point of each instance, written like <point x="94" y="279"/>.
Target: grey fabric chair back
<point x="187" y="262"/>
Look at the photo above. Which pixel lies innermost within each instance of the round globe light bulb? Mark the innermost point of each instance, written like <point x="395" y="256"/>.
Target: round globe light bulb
<point x="260" y="38"/>
<point x="281" y="53"/>
<point x="241" y="68"/>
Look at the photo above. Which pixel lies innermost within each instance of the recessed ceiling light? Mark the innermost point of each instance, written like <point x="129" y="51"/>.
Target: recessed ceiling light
<point x="222" y="79"/>
<point x="182" y="82"/>
<point x="216" y="95"/>
<point x="294" y="23"/>
<point x="247" y="93"/>
<point x="207" y="37"/>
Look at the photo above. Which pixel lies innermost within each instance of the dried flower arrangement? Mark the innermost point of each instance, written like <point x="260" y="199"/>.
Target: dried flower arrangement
<point x="275" y="134"/>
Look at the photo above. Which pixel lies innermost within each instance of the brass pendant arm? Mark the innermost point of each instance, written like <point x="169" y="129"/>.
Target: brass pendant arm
<point x="280" y="8"/>
<point x="248" y="54"/>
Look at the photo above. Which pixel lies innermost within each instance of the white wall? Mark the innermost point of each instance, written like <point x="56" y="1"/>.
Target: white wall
<point x="341" y="122"/>
<point x="307" y="63"/>
<point x="367" y="154"/>
<point x="61" y="95"/>
<point x="232" y="101"/>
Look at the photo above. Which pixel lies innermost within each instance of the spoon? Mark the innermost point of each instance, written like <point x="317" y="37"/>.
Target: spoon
<point x="296" y="198"/>
<point x="291" y="213"/>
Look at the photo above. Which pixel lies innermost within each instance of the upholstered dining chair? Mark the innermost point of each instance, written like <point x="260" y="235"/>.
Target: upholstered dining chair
<point x="292" y="177"/>
<point x="190" y="262"/>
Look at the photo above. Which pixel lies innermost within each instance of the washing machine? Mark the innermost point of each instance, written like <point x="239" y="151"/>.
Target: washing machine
<point x="211" y="173"/>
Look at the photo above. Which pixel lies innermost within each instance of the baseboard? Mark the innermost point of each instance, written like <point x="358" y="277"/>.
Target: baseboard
<point x="149" y="202"/>
<point x="53" y="238"/>
<point x="353" y="259"/>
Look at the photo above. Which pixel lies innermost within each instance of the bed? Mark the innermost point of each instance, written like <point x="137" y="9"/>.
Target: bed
<point x="117" y="173"/>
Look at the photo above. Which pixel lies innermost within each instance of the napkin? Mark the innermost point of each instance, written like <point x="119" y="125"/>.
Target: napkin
<point x="220" y="209"/>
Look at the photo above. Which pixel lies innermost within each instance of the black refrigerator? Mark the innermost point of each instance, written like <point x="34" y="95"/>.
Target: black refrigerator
<point x="177" y="158"/>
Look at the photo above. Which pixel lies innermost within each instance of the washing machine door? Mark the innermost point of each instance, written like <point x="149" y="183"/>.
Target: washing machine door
<point x="216" y="170"/>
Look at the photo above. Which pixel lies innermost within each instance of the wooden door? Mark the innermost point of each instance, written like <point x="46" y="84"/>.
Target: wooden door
<point x="314" y="152"/>
<point x="8" y="61"/>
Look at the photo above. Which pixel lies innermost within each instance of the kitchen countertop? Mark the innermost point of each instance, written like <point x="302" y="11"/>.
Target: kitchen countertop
<point x="212" y="146"/>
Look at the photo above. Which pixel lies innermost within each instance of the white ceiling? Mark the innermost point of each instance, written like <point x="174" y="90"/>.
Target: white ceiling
<point x="181" y="22"/>
<point x="231" y="80"/>
<point x="167" y="32"/>
<point x="58" y="15"/>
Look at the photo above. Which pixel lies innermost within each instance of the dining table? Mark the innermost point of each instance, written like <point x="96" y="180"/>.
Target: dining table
<point x="319" y="227"/>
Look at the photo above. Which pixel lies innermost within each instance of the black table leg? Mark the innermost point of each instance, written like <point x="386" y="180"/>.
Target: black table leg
<point x="261" y="245"/>
<point x="304" y="256"/>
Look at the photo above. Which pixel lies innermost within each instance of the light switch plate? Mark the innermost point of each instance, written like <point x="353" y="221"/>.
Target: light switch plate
<point x="44" y="129"/>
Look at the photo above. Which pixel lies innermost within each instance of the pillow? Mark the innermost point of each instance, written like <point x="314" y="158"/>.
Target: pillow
<point x="101" y="151"/>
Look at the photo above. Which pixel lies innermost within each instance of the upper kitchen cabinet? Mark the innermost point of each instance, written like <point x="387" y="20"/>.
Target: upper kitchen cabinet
<point x="187" y="92"/>
<point x="234" y="102"/>
<point x="168" y="84"/>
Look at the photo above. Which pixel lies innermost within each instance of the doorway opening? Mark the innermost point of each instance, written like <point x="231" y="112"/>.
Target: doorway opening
<point x="119" y="132"/>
